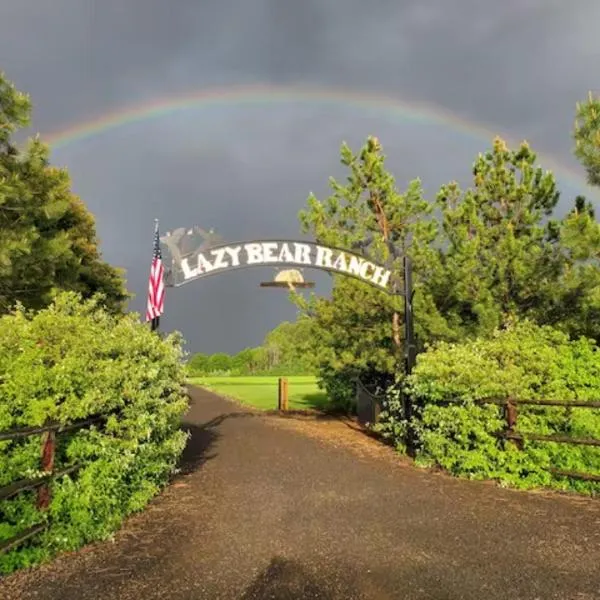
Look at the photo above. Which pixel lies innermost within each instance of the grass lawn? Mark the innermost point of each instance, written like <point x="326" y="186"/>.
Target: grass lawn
<point x="261" y="392"/>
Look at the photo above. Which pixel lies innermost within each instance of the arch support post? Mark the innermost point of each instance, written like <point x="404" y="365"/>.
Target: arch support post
<point x="410" y="352"/>
<point x="410" y="348"/>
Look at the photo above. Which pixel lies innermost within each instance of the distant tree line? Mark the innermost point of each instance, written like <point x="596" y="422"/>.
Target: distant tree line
<point x="286" y="350"/>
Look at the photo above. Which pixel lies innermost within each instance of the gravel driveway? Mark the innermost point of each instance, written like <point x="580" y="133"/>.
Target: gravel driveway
<point x="278" y="508"/>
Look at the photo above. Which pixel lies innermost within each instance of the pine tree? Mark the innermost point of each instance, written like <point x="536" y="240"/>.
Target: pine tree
<point x="48" y="239"/>
<point x="497" y="255"/>
<point x="359" y="329"/>
<point x="484" y="258"/>
<point x="587" y="137"/>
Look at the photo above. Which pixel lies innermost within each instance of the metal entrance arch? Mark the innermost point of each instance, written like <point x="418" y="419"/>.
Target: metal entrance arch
<point x="196" y="253"/>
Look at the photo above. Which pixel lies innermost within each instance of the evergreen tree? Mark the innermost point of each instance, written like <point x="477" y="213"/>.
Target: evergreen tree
<point x="47" y="236"/>
<point x="483" y="257"/>
<point x="587" y="137"/>
<point x="358" y="330"/>
<point x="499" y="258"/>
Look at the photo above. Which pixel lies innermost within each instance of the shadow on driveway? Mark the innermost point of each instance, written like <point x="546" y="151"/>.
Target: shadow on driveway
<point x="202" y="439"/>
<point x="286" y="579"/>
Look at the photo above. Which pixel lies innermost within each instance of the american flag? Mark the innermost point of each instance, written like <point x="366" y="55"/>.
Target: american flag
<point x="156" y="286"/>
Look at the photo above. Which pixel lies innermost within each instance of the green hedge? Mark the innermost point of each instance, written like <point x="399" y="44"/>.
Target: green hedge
<point x="64" y="364"/>
<point x="525" y="362"/>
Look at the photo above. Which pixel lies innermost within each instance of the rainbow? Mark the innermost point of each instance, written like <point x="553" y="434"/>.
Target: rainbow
<point x="384" y="106"/>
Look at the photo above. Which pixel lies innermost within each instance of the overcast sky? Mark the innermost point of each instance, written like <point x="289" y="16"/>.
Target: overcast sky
<point x="516" y="67"/>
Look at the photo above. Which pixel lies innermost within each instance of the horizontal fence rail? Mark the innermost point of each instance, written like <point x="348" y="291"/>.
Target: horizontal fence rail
<point x="559" y="403"/>
<point x="500" y="402"/>
<point x="575" y="474"/>
<point x="22" y="537"/>
<point x="558" y="439"/>
<point x="511" y="415"/>
<point x="49" y="435"/>
<point x="30" y="484"/>
<point x="13" y="434"/>
<point x="368" y="399"/>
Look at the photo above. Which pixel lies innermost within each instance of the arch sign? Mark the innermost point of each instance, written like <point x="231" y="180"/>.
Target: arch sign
<point x="196" y="253"/>
<point x="199" y="260"/>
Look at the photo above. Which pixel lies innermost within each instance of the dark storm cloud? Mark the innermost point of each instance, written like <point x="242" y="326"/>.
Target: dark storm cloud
<point x="518" y="66"/>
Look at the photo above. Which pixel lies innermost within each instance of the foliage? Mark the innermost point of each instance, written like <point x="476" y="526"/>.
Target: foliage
<point x="286" y="350"/>
<point x="289" y="347"/>
<point x="48" y="240"/>
<point x="353" y="338"/>
<point x="587" y="137"/>
<point x="524" y="362"/>
<point x="494" y="243"/>
<point x="483" y="258"/>
<point x="573" y="302"/>
<point x="359" y="329"/>
<point x="198" y="363"/>
<point x="250" y="361"/>
<point x="66" y="363"/>
<point x="503" y="258"/>
<point x="219" y="363"/>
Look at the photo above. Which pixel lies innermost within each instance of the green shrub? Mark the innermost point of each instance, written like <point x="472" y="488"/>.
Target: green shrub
<point x="63" y="364"/>
<point x="339" y="388"/>
<point x="523" y="363"/>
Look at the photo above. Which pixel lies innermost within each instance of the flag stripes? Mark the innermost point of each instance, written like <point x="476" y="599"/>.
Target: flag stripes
<point x="156" y="285"/>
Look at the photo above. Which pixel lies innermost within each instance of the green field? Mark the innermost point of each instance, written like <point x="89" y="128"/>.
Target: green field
<point x="261" y="392"/>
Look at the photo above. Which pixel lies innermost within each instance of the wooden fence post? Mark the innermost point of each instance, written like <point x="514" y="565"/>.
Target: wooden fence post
<point x="511" y="420"/>
<point x="48" y="452"/>
<point x="283" y="394"/>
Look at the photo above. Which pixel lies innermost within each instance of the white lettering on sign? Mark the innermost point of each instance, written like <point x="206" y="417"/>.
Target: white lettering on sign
<point x="381" y="277"/>
<point x="234" y="254"/>
<point x="324" y="257"/>
<point x="364" y="269"/>
<point x="354" y="266"/>
<point x="269" y="251"/>
<point x="285" y="255"/>
<point x="187" y="272"/>
<point x="340" y="264"/>
<point x="289" y="253"/>
<point x="219" y="255"/>
<point x="302" y="255"/>
<point x="254" y="253"/>
<point x="204" y="265"/>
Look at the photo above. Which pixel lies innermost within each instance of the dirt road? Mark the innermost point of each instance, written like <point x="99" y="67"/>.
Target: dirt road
<point x="283" y="508"/>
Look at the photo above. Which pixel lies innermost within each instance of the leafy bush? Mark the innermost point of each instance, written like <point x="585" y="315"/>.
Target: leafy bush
<point x="66" y="363"/>
<point x="392" y="425"/>
<point x="339" y="388"/>
<point x="523" y="363"/>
